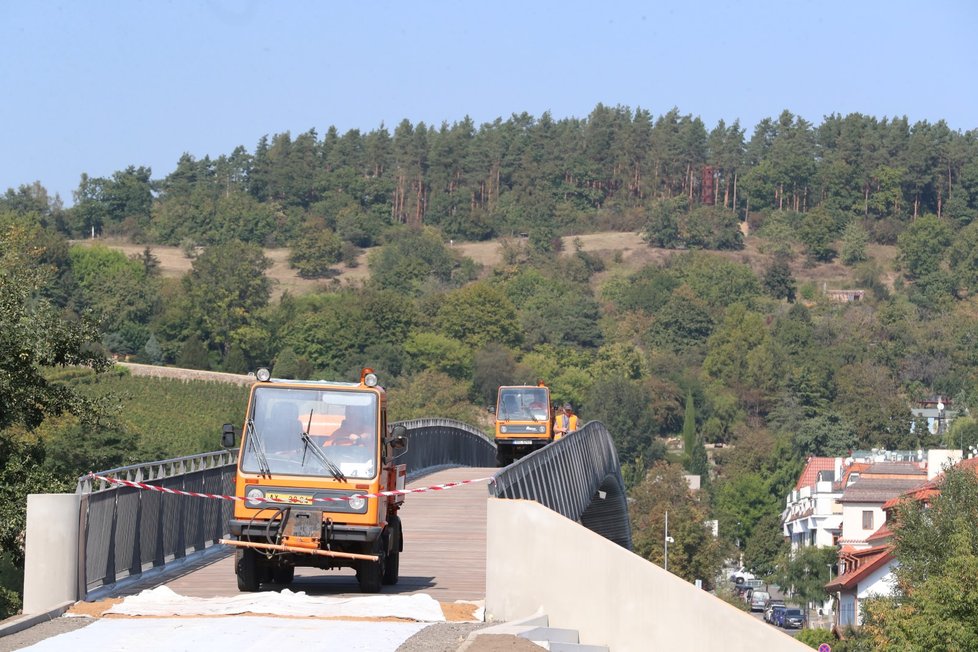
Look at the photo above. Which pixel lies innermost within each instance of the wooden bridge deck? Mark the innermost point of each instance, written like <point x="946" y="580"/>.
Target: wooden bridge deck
<point x="444" y="549"/>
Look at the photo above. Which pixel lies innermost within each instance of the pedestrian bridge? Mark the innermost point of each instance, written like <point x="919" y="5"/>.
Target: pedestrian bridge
<point x="548" y="534"/>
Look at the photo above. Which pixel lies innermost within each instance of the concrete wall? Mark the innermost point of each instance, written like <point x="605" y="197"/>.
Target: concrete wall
<point x="852" y="520"/>
<point x="537" y="560"/>
<point x="51" y="563"/>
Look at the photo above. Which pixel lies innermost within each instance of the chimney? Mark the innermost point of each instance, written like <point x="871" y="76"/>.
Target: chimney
<point x="939" y="459"/>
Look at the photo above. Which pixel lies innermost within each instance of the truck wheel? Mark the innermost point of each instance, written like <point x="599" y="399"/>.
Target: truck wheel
<point x="395" y="542"/>
<point x="248" y="568"/>
<point x="392" y="567"/>
<point x="370" y="574"/>
<point x="283" y="574"/>
<point x="503" y="458"/>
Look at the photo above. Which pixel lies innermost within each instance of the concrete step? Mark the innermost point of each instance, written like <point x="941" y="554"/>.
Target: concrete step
<point x="537" y="630"/>
<point x="550" y="635"/>
<point x="576" y="647"/>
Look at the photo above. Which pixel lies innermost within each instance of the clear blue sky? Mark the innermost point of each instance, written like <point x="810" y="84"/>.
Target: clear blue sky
<point x="97" y="86"/>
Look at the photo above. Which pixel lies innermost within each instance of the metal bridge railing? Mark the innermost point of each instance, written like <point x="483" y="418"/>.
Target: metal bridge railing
<point x="434" y="443"/>
<point x="125" y="531"/>
<point x="577" y="476"/>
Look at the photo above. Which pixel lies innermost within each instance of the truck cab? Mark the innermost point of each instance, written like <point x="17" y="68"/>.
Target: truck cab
<point x="309" y="450"/>
<point x="524" y="421"/>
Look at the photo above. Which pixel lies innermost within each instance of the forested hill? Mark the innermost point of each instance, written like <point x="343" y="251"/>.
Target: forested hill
<point x="536" y="175"/>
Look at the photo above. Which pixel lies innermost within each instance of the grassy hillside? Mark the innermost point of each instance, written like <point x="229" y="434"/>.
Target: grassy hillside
<point x="621" y="251"/>
<point x="171" y="417"/>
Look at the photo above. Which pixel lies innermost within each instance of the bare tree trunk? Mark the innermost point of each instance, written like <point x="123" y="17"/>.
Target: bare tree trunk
<point x="734" y="204"/>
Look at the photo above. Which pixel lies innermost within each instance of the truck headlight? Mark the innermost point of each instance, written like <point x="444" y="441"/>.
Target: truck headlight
<point x="357" y="503"/>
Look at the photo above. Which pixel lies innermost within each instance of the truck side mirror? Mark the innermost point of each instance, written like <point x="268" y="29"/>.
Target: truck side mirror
<point x="491" y="409"/>
<point x="398" y="438"/>
<point x="227" y="436"/>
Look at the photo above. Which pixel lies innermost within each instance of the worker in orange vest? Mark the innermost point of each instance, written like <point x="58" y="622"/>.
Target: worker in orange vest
<point x="565" y="421"/>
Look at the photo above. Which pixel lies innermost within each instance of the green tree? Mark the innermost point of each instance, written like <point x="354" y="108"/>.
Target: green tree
<point x="825" y="435"/>
<point x="805" y="572"/>
<point x="625" y="407"/>
<point x="963" y="259"/>
<point x="315" y="251"/>
<point x="779" y="282"/>
<point x="36" y="336"/>
<point x="429" y="394"/>
<point x="936" y="602"/>
<point x="854" y="241"/>
<point x="426" y="350"/>
<point x="766" y="546"/>
<point x="695" y="553"/>
<point x="922" y="246"/>
<point x="290" y="365"/>
<point x="226" y="288"/>
<point x="478" y="314"/>
<point x="193" y="354"/>
<point x="411" y="260"/>
<point x="493" y="365"/>
<point x="689" y="429"/>
<point x="817" y="232"/>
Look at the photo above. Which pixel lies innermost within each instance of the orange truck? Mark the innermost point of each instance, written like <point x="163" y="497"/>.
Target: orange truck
<point x="524" y="421"/>
<point x="309" y="450"/>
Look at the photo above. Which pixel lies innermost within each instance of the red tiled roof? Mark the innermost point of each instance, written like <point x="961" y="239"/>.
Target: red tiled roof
<point x="855" y="467"/>
<point x="880" y="535"/>
<point x="869" y="564"/>
<point x="814" y="466"/>
<point x="931" y="488"/>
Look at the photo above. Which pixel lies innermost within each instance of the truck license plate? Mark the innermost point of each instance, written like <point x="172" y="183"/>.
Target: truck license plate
<point x="526" y="442"/>
<point x="291" y="499"/>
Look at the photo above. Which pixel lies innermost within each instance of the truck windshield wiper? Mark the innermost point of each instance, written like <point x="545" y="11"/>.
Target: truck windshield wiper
<point x="254" y="440"/>
<point x="309" y="444"/>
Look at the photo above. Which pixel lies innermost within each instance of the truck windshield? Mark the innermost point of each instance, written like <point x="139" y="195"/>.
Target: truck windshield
<point x="523" y="404"/>
<point x="342" y="424"/>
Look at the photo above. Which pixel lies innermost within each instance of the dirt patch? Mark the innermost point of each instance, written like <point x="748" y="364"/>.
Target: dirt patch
<point x="459" y="612"/>
<point x="93" y="609"/>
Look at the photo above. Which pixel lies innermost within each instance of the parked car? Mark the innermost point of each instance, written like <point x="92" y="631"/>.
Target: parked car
<point x="777" y="612"/>
<point x="758" y="600"/>
<point x="771" y="604"/>
<point x="741" y="575"/>
<point x="792" y="619"/>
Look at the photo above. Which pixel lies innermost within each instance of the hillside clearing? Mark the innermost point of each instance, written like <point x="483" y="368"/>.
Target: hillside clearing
<point x="622" y="253"/>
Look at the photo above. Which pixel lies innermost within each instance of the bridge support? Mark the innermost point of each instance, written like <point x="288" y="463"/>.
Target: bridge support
<point x="51" y="551"/>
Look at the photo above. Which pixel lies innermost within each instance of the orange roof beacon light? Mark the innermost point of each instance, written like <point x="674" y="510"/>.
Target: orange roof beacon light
<point x="315" y="460"/>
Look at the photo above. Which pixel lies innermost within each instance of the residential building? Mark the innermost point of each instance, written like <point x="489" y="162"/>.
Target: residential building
<point x="866" y="561"/>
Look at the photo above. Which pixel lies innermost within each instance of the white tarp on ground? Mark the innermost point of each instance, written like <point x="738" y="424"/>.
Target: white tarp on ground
<point x="241" y="634"/>
<point x="163" y="601"/>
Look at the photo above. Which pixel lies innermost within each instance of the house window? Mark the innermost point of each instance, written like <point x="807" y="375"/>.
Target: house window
<point x="867" y="519"/>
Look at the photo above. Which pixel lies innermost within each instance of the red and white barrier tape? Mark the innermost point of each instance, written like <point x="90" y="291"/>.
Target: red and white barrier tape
<point x="195" y="494"/>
